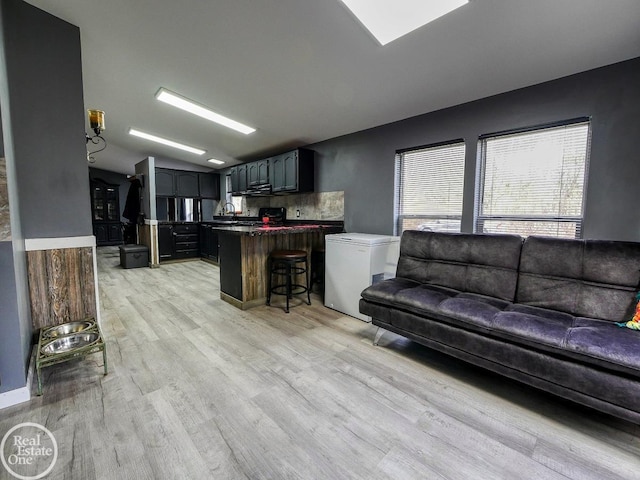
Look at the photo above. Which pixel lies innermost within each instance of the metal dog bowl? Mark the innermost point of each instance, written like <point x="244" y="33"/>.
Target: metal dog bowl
<point x="70" y="342"/>
<point x="67" y="328"/>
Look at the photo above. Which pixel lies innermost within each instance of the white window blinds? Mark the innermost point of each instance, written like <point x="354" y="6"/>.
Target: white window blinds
<point x="429" y="187"/>
<point x="533" y="183"/>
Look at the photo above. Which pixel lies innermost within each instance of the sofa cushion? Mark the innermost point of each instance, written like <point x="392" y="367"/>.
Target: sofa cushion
<point x="482" y="264"/>
<point x="425" y="299"/>
<point x="589" y="278"/>
<point x="603" y="340"/>
<point x="589" y="340"/>
<point x="385" y="291"/>
<point x="474" y="309"/>
<point x="532" y="328"/>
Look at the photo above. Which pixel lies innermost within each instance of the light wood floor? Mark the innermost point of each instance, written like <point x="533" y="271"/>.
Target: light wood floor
<point x="200" y="390"/>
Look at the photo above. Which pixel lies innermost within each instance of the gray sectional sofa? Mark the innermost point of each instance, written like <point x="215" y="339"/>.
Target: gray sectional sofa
<point x="542" y="311"/>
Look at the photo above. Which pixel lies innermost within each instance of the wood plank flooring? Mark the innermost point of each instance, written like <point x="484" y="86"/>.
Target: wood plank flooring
<point x="200" y="390"/>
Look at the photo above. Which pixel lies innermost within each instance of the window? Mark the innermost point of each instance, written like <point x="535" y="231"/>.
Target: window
<point x="236" y="201"/>
<point x="429" y="184"/>
<point x="533" y="182"/>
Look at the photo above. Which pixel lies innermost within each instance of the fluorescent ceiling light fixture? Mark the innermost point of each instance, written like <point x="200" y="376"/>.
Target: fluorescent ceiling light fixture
<point x="164" y="141"/>
<point x="217" y="162"/>
<point x="190" y="106"/>
<point x="388" y="20"/>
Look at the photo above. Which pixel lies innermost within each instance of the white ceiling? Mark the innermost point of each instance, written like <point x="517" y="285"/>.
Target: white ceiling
<point x="302" y="71"/>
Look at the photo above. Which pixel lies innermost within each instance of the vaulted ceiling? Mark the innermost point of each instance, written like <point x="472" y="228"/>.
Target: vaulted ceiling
<point x="305" y="71"/>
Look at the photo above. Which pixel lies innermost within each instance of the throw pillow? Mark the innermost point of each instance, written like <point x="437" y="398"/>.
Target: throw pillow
<point x="634" y="323"/>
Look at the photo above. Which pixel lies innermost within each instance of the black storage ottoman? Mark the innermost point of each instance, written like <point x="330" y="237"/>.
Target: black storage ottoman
<point x="134" y="256"/>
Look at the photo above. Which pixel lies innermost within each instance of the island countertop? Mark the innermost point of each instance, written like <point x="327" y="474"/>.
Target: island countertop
<point x="244" y="251"/>
<point x="255" y="230"/>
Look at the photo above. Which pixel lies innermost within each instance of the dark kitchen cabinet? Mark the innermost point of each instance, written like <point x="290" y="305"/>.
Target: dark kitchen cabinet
<point x="230" y="260"/>
<point x="165" y="182"/>
<point x="292" y="172"/>
<point x="209" y="185"/>
<point x="105" y="213"/>
<point x="258" y="172"/>
<point x="186" y="243"/>
<point x="108" y="234"/>
<point x="165" y="242"/>
<point x="239" y="179"/>
<point x="177" y="241"/>
<point x="208" y="242"/>
<point x="186" y="184"/>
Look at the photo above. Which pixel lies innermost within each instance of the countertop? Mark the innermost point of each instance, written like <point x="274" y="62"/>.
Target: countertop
<point x="256" y="230"/>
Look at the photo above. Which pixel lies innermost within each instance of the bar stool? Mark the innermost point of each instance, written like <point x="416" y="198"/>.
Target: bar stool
<point x="288" y="264"/>
<point x="317" y="269"/>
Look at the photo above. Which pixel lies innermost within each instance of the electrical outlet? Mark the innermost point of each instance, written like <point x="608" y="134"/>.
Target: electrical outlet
<point x="298" y="213"/>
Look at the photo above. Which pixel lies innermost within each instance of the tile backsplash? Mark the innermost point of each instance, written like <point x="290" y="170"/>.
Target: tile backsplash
<point x="312" y="206"/>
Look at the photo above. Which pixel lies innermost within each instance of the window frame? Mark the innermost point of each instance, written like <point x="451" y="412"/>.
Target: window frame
<point x="479" y="219"/>
<point x="398" y="185"/>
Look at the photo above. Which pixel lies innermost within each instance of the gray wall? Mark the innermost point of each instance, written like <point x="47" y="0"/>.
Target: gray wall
<point x="362" y="164"/>
<point x="47" y="172"/>
<point x="47" y="122"/>
<point x="12" y="353"/>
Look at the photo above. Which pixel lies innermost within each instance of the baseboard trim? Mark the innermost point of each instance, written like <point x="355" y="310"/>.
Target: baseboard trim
<point x="55" y="243"/>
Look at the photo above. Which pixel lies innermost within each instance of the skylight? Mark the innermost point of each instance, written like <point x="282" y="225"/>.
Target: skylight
<point x="388" y="20"/>
<point x="190" y="106"/>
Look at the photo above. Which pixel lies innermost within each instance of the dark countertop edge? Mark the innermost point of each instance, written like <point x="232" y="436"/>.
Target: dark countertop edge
<point x="255" y="232"/>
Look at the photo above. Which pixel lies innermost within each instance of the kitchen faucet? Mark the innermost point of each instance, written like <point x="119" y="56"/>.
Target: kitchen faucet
<point x="233" y="208"/>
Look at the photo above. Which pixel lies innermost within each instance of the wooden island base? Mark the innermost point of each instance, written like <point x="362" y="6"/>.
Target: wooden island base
<point x="243" y="261"/>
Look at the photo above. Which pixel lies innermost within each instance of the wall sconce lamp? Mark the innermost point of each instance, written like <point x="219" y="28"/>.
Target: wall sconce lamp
<point x="96" y="122"/>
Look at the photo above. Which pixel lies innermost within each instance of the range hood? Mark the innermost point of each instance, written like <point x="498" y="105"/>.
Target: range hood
<point x="259" y="190"/>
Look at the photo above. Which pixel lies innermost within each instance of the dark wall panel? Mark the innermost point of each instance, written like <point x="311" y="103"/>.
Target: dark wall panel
<point x="362" y="164"/>
<point x="44" y="77"/>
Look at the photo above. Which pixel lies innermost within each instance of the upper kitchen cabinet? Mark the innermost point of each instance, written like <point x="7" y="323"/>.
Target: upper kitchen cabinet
<point x="165" y="183"/>
<point x="186" y="184"/>
<point x="258" y="172"/>
<point x="239" y="179"/>
<point x="209" y="185"/>
<point x="292" y="172"/>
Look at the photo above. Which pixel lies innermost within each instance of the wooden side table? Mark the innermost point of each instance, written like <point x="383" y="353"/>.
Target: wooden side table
<point x="67" y="341"/>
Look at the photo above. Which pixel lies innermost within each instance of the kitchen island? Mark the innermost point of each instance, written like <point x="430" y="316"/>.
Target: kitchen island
<point x="244" y="251"/>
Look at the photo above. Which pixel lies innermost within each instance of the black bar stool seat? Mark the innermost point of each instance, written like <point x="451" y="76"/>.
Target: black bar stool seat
<point x="285" y="265"/>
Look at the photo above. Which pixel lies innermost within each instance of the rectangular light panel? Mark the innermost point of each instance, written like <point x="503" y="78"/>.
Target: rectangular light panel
<point x="217" y="162"/>
<point x="388" y="20"/>
<point x="164" y="141"/>
<point x="190" y="106"/>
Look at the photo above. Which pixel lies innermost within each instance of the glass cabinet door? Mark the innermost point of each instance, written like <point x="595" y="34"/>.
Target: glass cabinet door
<point x="98" y="204"/>
<point x="112" y="204"/>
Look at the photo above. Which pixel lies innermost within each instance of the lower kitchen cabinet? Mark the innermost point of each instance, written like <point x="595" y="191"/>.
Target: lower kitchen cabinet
<point x="208" y="242"/>
<point x="176" y="241"/>
<point x="165" y="242"/>
<point x="230" y="260"/>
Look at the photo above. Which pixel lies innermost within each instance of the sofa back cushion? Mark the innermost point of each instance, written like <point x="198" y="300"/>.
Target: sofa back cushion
<point x="589" y="278"/>
<point x="483" y="264"/>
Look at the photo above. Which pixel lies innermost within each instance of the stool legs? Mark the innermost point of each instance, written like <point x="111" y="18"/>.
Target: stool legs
<point x="287" y="263"/>
<point x="306" y="274"/>
<point x="288" y="292"/>
<point x="269" y="273"/>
